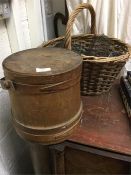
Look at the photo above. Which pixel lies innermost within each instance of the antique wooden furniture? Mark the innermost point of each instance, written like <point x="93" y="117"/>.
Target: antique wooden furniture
<point x="101" y="144"/>
<point x="44" y="88"/>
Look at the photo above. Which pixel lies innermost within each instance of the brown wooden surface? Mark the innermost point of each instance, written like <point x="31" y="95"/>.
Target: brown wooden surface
<point x="104" y="124"/>
<point x="81" y="162"/>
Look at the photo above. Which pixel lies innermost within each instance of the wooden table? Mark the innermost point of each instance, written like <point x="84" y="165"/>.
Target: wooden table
<point x="101" y="144"/>
<point x="105" y="124"/>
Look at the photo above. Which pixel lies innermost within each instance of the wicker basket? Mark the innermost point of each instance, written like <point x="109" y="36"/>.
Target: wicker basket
<point x="103" y="57"/>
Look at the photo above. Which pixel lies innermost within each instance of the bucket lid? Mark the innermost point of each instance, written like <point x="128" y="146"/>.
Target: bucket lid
<point x="42" y="61"/>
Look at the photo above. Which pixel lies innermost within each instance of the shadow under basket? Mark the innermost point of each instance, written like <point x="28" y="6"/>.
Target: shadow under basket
<point x="103" y="59"/>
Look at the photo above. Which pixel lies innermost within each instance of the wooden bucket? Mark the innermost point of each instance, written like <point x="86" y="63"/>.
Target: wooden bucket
<point x="44" y="89"/>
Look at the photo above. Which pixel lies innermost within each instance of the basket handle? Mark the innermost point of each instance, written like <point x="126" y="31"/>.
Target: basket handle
<point x="71" y="20"/>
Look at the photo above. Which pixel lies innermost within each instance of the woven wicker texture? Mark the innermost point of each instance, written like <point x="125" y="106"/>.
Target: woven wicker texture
<point x="103" y="57"/>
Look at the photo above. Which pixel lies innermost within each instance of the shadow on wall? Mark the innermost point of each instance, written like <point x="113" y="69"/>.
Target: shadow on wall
<point x="14" y="152"/>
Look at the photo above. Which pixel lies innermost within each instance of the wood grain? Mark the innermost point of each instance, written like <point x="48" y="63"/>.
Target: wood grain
<point x="105" y="124"/>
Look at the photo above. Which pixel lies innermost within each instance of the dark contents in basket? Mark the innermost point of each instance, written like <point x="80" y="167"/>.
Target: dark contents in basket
<point x="97" y="45"/>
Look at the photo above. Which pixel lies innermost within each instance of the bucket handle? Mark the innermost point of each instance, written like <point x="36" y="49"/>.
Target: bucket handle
<point x="6" y="84"/>
<point x="67" y="39"/>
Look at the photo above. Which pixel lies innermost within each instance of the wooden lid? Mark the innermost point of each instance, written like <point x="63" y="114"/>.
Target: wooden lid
<point x="42" y="61"/>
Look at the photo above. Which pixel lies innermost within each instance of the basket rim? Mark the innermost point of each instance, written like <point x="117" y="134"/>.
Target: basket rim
<point x="94" y="59"/>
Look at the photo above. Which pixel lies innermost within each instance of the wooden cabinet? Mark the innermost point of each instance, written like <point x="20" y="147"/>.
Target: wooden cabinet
<point x="77" y="161"/>
<point x="102" y="142"/>
<point x="72" y="158"/>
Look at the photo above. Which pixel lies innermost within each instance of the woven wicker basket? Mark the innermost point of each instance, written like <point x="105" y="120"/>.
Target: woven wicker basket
<point x="103" y="57"/>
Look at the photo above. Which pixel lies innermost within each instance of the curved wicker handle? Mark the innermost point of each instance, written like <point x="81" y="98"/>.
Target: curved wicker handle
<point x="72" y="19"/>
